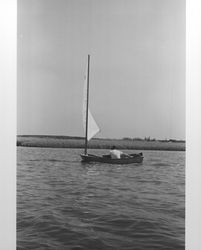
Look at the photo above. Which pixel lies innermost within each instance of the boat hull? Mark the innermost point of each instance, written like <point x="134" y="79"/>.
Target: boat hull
<point x="133" y="158"/>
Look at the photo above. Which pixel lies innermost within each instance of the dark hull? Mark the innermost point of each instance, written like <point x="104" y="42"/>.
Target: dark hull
<point x="134" y="158"/>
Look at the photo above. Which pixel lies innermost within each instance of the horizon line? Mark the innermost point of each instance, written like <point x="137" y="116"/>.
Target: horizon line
<point x="105" y="138"/>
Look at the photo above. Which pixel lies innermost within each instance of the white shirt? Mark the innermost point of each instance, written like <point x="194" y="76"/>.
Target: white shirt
<point x="115" y="154"/>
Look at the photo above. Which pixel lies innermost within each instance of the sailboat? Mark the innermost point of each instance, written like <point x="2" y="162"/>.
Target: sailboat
<point x="91" y="129"/>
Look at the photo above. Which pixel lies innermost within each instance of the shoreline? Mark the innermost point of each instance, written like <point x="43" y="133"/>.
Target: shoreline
<point x="73" y="142"/>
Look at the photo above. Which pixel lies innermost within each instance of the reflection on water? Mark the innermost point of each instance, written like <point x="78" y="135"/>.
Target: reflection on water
<point x="64" y="204"/>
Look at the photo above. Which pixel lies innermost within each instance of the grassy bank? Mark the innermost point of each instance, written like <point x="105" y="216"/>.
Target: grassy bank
<point x="73" y="142"/>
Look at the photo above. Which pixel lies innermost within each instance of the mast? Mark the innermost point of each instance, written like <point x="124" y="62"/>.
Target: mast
<point x="87" y="107"/>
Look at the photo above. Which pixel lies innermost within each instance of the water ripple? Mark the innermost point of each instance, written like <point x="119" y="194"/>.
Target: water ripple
<point x="63" y="204"/>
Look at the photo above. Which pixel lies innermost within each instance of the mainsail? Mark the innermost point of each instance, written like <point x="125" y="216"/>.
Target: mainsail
<point x="88" y="120"/>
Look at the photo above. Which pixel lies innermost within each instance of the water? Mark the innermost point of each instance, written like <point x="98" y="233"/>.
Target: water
<point x="65" y="204"/>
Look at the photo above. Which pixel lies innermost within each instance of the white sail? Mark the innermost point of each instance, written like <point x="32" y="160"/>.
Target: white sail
<point x="93" y="128"/>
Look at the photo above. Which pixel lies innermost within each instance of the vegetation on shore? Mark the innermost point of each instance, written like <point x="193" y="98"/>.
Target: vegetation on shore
<point x="98" y="143"/>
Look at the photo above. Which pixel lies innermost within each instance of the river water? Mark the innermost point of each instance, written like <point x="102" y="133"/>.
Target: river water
<point x="65" y="204"/>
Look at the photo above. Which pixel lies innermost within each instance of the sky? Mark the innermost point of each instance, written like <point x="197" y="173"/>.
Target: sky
<point x="137" y="70"/>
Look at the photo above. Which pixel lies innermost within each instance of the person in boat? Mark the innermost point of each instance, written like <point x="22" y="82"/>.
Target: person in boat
<point x="117" y="154"/>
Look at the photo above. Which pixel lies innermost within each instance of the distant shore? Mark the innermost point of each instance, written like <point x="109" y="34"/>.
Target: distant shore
<point x="96" y="143"/>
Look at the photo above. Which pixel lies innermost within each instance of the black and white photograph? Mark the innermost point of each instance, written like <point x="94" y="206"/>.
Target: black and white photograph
<point x="101" y="125"/>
